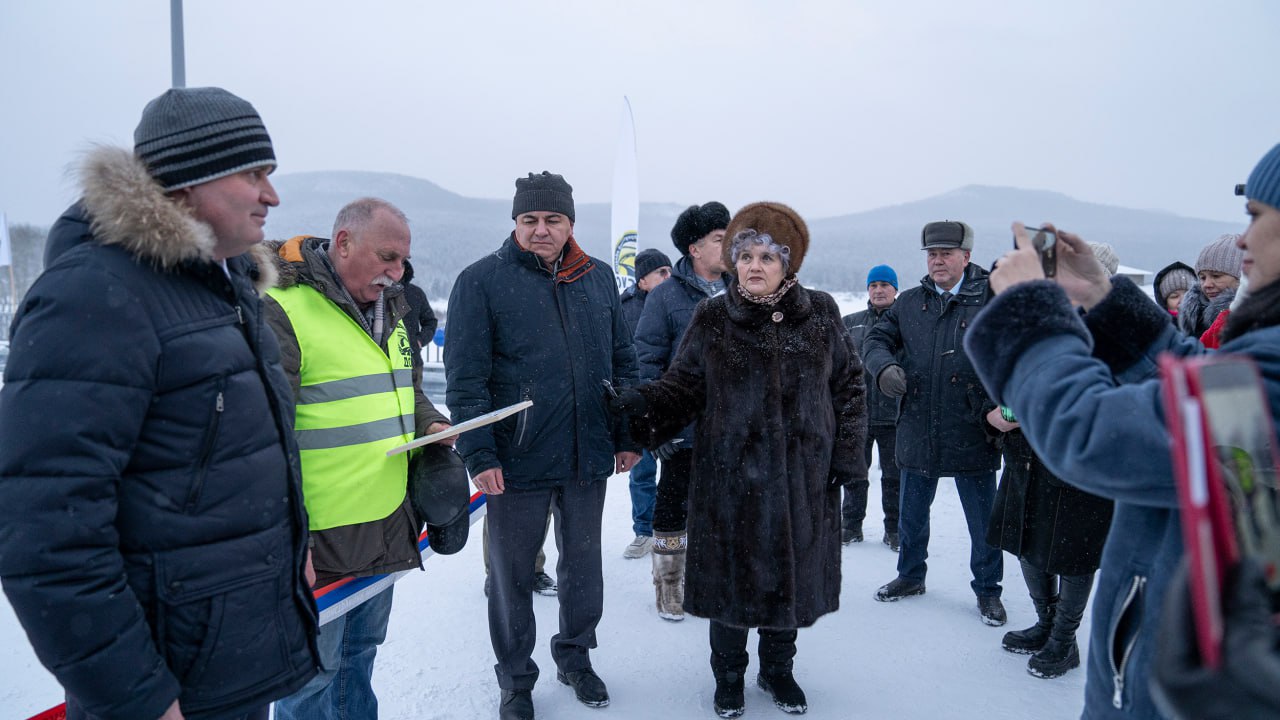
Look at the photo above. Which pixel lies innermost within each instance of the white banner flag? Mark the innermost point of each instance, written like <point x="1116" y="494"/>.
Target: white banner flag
<point x="6" y="255"/>
<point x="625" y="211"/>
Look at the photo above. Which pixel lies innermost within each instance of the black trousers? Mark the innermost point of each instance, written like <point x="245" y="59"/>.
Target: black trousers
<point x="517" y="521"/>
<point x="854" y="508"/>
<point x="729" y="649"/>
<point x="671" y="511"/>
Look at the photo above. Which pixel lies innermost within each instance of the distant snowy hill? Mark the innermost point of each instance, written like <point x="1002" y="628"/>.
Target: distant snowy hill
<point x="451" y="231"/>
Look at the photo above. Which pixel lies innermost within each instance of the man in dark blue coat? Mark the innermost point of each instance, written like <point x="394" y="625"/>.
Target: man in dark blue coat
<point x="540" y="320"/>
<point x="652" y="268"/>
<point x="915" y="353"/>
<point x="152" y="532"/>
<point x="882" y="420"/>
<point x="700" y="273"/>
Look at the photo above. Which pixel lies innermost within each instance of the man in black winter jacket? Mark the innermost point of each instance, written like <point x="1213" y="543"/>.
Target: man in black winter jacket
<point x="152" y="531"/>
<point x="915" y="353"/>
<point x="653" y="267"/>
<point x="700" y="273"/>
<point x="540" y="320"/>
<point x="882" y="419"/>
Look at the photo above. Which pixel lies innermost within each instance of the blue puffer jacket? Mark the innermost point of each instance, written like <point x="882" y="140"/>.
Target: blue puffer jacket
<point x="152" y="531"/>
<point x="519" y="332"/>
<point x="663" y="322"/>
<point x="1090" y="405"/>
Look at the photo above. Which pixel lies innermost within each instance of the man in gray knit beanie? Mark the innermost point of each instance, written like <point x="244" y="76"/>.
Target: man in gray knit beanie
<point x="154" y="493"/>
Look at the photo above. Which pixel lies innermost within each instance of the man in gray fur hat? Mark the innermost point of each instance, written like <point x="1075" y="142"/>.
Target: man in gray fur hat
<point x="153" y="539"/>
<point x="946" y="425"/>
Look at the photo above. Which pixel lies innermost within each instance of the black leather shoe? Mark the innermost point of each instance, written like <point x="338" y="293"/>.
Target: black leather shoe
<point x="544" y="585"/>
<point x="898" y="589"/>
<point x="891" y="539"/>
<point x="850" y="535"/>
<point x="516" y="705"/>
<point x="587" y="686"/>
<point x="992" y="610"/>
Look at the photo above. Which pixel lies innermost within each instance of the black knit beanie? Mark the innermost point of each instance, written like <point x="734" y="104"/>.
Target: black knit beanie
<point x="189" y="136"/>
<point x="649" y="260"/>
<point x="545" y="192"/>
<point x="695" y="222"/>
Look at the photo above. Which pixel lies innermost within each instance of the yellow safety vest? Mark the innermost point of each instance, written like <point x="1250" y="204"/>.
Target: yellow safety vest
<point x="355" y="404"/>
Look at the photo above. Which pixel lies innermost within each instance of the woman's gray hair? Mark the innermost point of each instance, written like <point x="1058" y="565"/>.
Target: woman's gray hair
<point x="750" y="237"/>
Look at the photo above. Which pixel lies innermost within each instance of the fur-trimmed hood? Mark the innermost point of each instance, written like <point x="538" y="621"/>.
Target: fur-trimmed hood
<point x="127" y="208"/>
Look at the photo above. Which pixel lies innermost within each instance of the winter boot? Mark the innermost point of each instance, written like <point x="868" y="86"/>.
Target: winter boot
<point x="777" y="650"/>
<point x="730" y="698"/>
<point x="728" y="665"/>
<point x="1060" y="653"/>
<point x="668" y="574"/>
<point x="1029" y="641"/>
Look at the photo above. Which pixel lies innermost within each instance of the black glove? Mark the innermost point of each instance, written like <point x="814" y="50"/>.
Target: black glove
<point x="893" y="381"/>
<point x="1247" y="685"/>
<point x="667" y="450"/>
<point x="628" y="401"/>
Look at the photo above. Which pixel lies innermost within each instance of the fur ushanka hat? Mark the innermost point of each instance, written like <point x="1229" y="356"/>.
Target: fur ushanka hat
<point x="780" y="222"/>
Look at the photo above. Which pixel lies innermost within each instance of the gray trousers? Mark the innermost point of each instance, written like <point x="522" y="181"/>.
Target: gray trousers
<point x="517" y="521"/>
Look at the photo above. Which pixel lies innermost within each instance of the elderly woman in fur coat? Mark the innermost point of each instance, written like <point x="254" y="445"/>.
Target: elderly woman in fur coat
<point x="773" y="379"/>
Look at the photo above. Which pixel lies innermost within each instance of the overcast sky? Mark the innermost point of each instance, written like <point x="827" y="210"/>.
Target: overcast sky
<point x="832" y="107"/>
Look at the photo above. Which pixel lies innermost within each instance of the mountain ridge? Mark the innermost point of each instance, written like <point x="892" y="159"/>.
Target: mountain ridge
<point x="451" y="231"/>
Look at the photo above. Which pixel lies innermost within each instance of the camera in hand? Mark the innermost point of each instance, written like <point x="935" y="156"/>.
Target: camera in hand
<point x="1045" y="242"/>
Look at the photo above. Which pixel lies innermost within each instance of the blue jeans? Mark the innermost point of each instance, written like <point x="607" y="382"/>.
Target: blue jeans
<point x="644" y="493"/>
<point x="343" y="691"/>
<point x="977" y="497"/>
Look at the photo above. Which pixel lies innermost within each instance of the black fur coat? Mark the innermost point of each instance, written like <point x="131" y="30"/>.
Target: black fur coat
<point x="779" y="397"/>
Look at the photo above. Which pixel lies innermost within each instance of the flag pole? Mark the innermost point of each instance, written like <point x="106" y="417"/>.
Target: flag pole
<point x="176" y="44"/>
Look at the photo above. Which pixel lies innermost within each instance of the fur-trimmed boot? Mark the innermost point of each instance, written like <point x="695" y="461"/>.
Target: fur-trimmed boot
<point x="1029" y="641"/>
<point x="1061" y="653"/>
<point x="668" y="573"/>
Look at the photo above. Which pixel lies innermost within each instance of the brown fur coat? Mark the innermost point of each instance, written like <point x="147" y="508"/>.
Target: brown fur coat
<point x="778" y="395"/>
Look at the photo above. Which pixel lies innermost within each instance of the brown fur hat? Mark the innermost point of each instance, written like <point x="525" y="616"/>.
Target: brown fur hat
<point x="783" y="224"/>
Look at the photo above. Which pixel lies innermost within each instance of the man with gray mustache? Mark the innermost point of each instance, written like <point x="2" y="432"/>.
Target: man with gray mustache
<point x="338" y="313"/>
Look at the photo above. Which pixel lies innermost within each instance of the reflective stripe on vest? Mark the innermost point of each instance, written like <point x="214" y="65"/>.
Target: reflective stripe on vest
<point x="354" y="404"/>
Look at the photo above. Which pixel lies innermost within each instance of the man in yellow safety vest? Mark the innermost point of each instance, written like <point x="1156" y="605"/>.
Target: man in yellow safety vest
<point x="338" y="312"/>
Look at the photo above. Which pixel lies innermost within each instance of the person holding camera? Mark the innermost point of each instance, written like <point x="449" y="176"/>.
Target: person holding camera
<point x="1086" y="392"/>
<point x="915" y="354"/>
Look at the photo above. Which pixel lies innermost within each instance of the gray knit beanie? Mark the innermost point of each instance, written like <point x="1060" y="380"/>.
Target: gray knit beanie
<point x="1175" y="280"/>
<point x="1222" y="256"/>
<point x="189" y="136"/>
<point x="1107" y="256"/>
<point x="545" y="192"/>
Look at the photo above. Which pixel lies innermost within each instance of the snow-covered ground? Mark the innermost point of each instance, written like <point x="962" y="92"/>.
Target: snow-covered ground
<point x="928" y="657"/>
